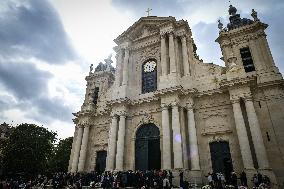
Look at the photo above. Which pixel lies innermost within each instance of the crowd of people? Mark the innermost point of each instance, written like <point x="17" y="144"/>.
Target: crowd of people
<point x="220" y="181"/>
<point x="136" y="179"/>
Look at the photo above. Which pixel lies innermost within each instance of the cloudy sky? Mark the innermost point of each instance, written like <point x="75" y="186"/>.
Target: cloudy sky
<point x="46" y="47"/>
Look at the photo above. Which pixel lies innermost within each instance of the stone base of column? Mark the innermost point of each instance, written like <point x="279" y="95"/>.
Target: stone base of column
<point x="271" y="176"/>
<point x="194" y="177"/>
<point x="176" y="177"/>
<point x="191" y="176"/>
<point x="250" y="173"/>
<point x="268" y="172"/>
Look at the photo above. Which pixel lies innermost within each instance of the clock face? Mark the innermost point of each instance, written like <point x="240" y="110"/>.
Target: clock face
<point x="149" y="66"/>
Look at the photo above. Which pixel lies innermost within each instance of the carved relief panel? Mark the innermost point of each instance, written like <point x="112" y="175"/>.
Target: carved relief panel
<point x="216" y="122"/>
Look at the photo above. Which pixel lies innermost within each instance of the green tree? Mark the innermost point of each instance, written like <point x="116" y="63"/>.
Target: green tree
<point x="61" y="155"/>
<point x="28" y="150"/>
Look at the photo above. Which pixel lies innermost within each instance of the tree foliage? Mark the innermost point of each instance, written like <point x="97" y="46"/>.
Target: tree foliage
<point x="61" y="155"/>
<point x="28" y="149"/>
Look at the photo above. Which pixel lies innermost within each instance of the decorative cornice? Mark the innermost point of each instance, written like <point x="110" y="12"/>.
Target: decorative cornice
<point x="209" y="92"/>
<point x="158" y="20"/>
<point x="145" y="43"/>
<point x="118" y="101"/>
<point x="247" y="29"/>
<point x="92" y="113"/>
<point x="271" y="83"/>
<point x="204" y="133"/>
<point x="143" y="100"/>
<point x="176" y="89"/>
<point x="132" y="102"/>
<point x="249" y="79"/>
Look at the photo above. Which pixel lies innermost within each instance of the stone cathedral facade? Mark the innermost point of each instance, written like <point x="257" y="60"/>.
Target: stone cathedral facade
<point x="162" y="107"/>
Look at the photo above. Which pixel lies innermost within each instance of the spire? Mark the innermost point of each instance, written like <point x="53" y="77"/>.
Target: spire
<point x="235" y="19"/>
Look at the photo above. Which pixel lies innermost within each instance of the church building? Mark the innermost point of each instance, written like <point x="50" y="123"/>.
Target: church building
<point x="162" y="107"/>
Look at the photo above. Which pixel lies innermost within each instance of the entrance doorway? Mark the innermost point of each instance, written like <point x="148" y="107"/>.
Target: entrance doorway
<point x="147" y="148"/>
<point x="101" y="161"/>
<point x="221" y="158"/>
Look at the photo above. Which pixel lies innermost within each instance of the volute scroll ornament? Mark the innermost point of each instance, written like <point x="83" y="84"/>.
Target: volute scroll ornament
<point x="235" y="101"/>
<point x="164" y="106"/>
<point x="163" y="35"/>
<point x="80" y="126"/>
<point x="122" y="113"/>
<point x="248" y="98"/>
<point x="189" y="105"/>
<point x="171" y="33"/>
<point x="113" y="115"/>
<point x="175" y="104"/>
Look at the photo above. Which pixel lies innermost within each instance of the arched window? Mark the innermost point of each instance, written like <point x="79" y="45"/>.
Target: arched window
<point x="149" y="76"/>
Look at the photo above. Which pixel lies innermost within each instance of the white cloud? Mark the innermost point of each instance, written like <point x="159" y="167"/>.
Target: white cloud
<point x="63" y="129"/>
<point x="17" y="116"/>
<point x="92" y="25"/>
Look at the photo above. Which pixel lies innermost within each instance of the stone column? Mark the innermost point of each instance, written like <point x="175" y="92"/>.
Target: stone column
<point x="178" y="162"/>
<point x="194" y="152"/>
<point x="256" y="135"/>
<point x="164" y="55"/>
<point x="125" y="67"/>
<point x="242" y="135"/>
<point x="184" y="145"/>
<point x="184" y="56"/>
<point x="83" y="150"/>
<point x="172" y="53"/>
<point x="167" y="159"/>
<point x="77" y="149"/>
<point x="112" y="144"/>
<point x="118" y="68"/>
<point x="120" y="143"/>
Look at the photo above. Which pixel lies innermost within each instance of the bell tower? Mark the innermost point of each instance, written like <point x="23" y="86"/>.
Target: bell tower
<point x="98" y="82"/>
<point x="243" y="42"/>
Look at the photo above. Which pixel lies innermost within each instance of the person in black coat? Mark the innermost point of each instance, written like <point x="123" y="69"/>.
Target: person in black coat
<point x="181" y="179"/>
<point x="243" y="178"/>
<point x="171" y="178"/>
<point x="234" y="180"/>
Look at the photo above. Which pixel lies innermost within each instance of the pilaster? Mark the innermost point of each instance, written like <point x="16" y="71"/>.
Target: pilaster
<point x="83" y="150"/>
<point x="172" y="53"/>
<point x="77" y="149"/>
<point x="120" y="143"/>
<point x="177" y="140"/>
<point x="167" y="159"/>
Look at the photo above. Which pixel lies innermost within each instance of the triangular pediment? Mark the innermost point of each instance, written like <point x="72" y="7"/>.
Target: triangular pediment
<point x="144" y="26"/>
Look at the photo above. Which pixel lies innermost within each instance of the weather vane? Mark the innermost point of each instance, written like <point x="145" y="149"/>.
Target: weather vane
<point x="148" y="11"/>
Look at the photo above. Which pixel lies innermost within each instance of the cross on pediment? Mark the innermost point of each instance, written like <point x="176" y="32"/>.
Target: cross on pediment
<point x="148" y="11"/>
